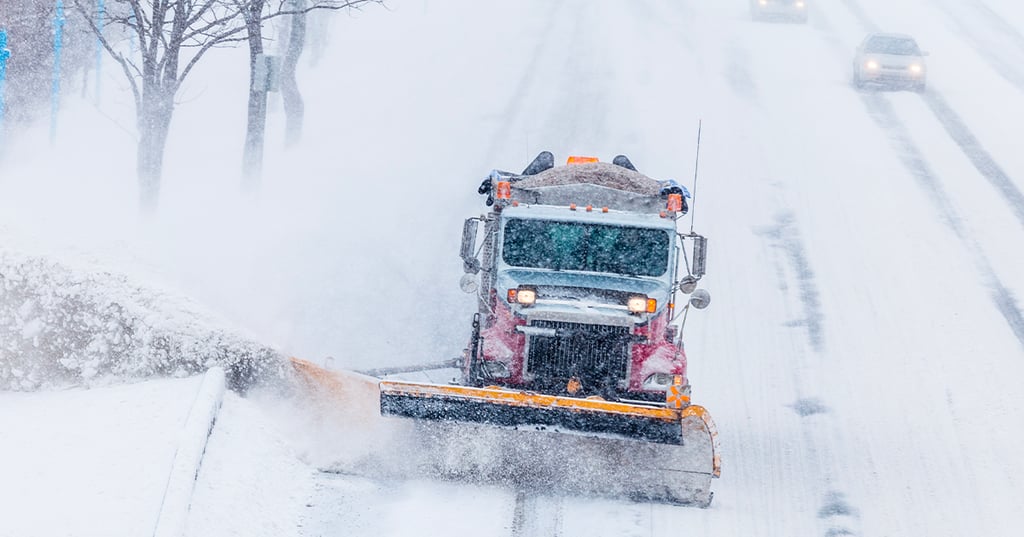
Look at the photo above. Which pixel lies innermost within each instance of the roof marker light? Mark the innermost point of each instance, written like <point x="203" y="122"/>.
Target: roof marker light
<point x="580" y="160"/>
<point x="504" y="190"/>
<point x="572" y="206"/>
<point x="675" y="203"/>
<point x="604" y="209"/>
<point x="590" y="208"/>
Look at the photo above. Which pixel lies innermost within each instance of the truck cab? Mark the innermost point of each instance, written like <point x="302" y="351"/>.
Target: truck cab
<point x="578" y="270"/>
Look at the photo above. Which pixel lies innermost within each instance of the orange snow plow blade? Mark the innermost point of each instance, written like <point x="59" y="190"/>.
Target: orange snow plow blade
<point x="641" y="451"/>
<point x="357" y="395"/>
<point x="501" y="406"/>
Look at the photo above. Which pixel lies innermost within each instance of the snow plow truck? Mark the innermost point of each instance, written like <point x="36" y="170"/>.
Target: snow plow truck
<point x="576" y="350"/>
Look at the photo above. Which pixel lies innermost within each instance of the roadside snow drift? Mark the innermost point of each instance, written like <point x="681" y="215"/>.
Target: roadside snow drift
<point x="60" y="325"/>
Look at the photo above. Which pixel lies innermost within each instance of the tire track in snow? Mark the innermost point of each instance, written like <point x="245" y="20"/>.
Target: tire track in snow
<point x="957" y="128"/>
<point x="738" y="75"/>
<point x="1009" y="68"/>
<point x="880" y="109"/>
<point x="835" y="515"/>
<point x="513" y="111"/>
<point x="579" y="116"/>
<point x="785" y="235"/>
<point x="537" y="515"/>
<point x="681" y="11"/>
<point x="976" y="152"/>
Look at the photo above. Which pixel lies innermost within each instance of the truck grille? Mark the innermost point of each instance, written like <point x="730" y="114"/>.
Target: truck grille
<point x="595" y="354"/>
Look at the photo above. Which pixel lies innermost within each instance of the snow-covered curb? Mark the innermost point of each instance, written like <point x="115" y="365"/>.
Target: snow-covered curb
<point x="189" y="457"/>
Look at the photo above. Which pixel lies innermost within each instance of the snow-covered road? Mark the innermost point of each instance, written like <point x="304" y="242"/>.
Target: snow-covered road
<point x="863" y="350"/>
<point x="865" y="340"/>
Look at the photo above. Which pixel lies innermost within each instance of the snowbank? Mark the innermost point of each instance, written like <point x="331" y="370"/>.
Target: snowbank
<point x="61" y="325"/>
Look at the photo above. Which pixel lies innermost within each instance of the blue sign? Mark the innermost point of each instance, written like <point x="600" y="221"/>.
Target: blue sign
<point x="4" y="54"/>
<point x="58" y="39"/>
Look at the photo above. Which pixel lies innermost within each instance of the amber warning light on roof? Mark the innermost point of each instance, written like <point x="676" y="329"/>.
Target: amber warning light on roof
<point x="504" y="190"/>
<point x="581" y="160"/>
<point x="675" y="203"/>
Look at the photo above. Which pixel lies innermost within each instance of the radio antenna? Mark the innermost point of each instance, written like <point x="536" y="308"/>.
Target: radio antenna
<point x="696" y="168"/>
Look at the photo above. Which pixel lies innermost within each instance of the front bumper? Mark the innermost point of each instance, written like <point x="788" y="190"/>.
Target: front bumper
<point x="904" y="75"/>
<point x="780" y="12"/>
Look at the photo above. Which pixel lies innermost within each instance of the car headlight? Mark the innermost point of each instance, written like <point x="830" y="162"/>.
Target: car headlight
<point x="524" y="296"/>
<point x="800" y="5"/>
<point x="872" y="65"/>
<point x="641" y="304"/>
<point x="915" y="68"/>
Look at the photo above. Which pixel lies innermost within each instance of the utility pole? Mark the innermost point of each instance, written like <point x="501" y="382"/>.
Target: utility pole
<point x="58" y="38"/>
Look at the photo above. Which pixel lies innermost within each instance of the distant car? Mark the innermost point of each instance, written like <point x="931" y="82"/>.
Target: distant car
<point x="793" y="10"/>
<point x="891" y="61"/>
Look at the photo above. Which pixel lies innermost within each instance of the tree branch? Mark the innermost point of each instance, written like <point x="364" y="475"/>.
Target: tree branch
<point x="113" y="54"/>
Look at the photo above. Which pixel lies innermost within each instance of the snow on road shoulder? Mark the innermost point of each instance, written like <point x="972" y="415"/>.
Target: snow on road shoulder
<point x="251" y="482"/>
<point x="89" y="462"/>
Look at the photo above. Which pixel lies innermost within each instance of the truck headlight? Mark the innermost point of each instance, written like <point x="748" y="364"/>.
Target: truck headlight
<point x="871" y="65"/>
<point x="524" y="296"/>
<point x="641" y="304"/>
<point x="915" y="68"/>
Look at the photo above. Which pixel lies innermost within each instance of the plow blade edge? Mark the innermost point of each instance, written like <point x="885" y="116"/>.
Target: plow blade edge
<point x="606" y="447"/>
<point x="497" y="406"/>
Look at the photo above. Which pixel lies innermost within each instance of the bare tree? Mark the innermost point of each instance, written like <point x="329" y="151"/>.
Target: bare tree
<point x="294" y="107"/>
<point x="255" y="13"/>
<point x="171" y="37"/>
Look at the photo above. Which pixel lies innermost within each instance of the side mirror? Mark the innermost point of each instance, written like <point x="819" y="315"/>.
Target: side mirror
<point x="700" y="255"/>
<point x="687" y="284"/>
<point x="700" y="299"/>
<point x="468" y="251"/>
<point x="468" y="284"/>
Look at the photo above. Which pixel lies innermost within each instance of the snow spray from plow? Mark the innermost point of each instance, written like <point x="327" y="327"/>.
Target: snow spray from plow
<point x="526" y="454"/>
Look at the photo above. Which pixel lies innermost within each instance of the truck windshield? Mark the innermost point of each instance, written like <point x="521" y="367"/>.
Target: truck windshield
<point x="587" y="247"/>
